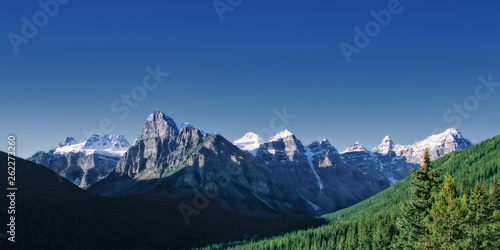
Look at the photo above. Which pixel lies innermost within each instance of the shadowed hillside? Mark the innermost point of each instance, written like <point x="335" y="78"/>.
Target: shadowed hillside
<point x="52" y="213"/>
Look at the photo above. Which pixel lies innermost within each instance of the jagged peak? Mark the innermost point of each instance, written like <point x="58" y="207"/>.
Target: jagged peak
<point x="322" y="145"/>
<point x="281" y="135"/>
<point x="250" y="136"/>
<point x="114" y="145"/>
<point x="67" y="141"/>
<point x="356" y="147"/>
<point x="451" y="131"/>
<point x="249" y="142"/>
<point x="117" y="141"/>
<point x="385" y="146"/>
<point x="454" y="132"/>
<point x="450" y="134"/>
<point x="387" y="141"/>
<point x="158" y="125"/>
<point x="160" y="116"/>
<point x="325" y="141"/>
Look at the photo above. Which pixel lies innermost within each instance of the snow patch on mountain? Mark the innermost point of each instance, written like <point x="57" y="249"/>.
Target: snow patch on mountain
<point x="309" y="156"/>
<point x="181" y="125"/>
<point x="356" y="147"/>
<point x="281" y="135"/>
<point x="385" y="147"/>
<point x="314" y="206"/>
<point x="249" y="142"/>
<point x="68" y="141"/>
<point x="112" y="145"/>
<point x="438" y="145"/>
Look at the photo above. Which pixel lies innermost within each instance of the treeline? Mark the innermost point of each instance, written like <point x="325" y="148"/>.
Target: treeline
<point x="453" y="206"/>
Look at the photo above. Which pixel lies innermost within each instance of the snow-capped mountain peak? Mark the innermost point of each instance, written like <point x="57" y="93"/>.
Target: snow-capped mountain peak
<point x="281" y="135"/>
<point x="453" y="131"/>
<point x="249" y="142"/>
<point x="356" y="147"/>
<point x="84" y="163"/>
<point x="387" y="139"/>
<point x="325" y="142"/>
<point x="321" y="149"/>
<point x="113" y="145"/>
<point x="160" y="125"/>
<point x="67" y="141"/>
<point x="442" y="143"/>
<point x="159" y="117"/>
<point x="438" y="145"/>
<point x="385" y="147"/>
<point x="157" y="114"/>
<point x="450" y="136"/>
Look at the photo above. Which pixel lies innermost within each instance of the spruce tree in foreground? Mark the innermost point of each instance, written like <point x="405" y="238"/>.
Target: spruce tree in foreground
<point x="447" y="218"/>
<point x="478" y="216"/>
<point x="413" y="226"/>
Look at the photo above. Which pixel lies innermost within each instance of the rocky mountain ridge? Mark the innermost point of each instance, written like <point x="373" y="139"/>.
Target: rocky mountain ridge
<point x="251" y="176"/>
<point x="84" y="163"/>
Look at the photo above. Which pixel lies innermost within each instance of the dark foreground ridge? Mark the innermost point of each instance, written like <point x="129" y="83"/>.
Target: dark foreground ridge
<point x="53" y="213"/>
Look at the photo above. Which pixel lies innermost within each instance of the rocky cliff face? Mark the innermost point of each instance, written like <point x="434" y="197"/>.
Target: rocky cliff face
<point x="328" y="180"/>
<point x="178" y="162"/>
<point x="290" y="165"/>
<point x="322" y="178"/>
<point x="84" y="163"/>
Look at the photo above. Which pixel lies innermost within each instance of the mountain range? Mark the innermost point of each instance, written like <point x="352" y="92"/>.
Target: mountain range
<point x="84" y="163"/>
<point x="250" y="176"/>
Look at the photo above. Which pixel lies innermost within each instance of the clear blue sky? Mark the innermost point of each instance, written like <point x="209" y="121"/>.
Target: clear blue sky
<point x="227" y="76"/>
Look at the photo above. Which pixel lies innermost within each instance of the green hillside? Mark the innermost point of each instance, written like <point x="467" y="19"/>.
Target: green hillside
<point x="52" y="213"/>
<point x="372" y="224"/>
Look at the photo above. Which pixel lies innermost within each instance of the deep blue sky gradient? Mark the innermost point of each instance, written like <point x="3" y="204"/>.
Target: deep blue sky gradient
<point x="227" y="76"/>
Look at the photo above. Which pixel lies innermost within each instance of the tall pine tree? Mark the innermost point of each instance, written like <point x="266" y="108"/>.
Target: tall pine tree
<point x="448" y="216"/>
<point x="413" y="227"/>
<point x="478" y="215"/>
